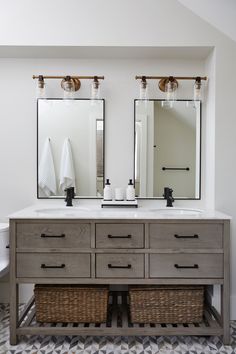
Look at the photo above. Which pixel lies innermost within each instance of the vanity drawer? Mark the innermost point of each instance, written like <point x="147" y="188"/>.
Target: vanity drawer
<point x="119" y="266"/>
<point x="186" y="235"/>
<point x="49" y="235"/>
<point x="119" y="235"/>
<point x="186" y="265"/>
<point x="53" y="265"/>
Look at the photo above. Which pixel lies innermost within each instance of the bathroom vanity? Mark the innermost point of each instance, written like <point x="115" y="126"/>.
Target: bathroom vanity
<point x="79" y="246"/>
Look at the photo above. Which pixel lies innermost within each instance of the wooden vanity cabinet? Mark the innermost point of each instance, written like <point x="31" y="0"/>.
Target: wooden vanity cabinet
<point x="142" y="252"/>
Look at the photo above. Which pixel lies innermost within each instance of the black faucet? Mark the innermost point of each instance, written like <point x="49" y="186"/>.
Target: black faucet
<point x="70" y="194"/>
<point x="168" y="196"/>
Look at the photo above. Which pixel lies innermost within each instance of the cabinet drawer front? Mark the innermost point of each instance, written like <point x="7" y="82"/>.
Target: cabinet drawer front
<point x="56" y="265"/>
<point x="186" y="266"/>
<point x="186" y="236"/>
<point x="119" y="266"/>
<point x="119" y="235"/>
<point x="53" y="235"/>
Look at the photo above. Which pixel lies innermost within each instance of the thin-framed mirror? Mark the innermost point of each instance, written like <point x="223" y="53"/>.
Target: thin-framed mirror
<point x="70" y="147"/>
<point x="167" y="148"/>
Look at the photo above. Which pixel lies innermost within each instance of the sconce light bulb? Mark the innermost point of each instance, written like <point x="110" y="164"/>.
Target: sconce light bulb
<point x="197" y="89"/>
<point x="143" y="89"/>
<point x="68" y="86"/>
<point x="95" y="89"/>
<point x="170" y="89"/>
<point x="40" y="87"/>
<point x="68" y="95"/>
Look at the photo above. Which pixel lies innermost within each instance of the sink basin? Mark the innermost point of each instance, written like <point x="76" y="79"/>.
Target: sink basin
<point x="63" y="211"/>
<point x="177" y="211"/>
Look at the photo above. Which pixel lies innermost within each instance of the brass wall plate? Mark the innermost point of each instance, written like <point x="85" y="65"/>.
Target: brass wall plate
<point x="77" y="84"/>
<point x="162" y="83"/>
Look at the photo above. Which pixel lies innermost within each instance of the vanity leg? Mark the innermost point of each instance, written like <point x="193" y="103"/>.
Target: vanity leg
<point x="225" y="288"/>
<point x="14" y="287"/>
<point x="225" y="306"/>
<point x="14" y="303"/>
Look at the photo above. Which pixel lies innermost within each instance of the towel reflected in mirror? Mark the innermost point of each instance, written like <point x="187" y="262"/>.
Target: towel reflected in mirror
<point x="67" y="170"/>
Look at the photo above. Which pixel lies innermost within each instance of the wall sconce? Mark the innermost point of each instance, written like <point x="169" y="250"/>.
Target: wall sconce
<point x="170" y="84"/>
<point x="143" y="89"/>
<point x="70" y="84"/>
<point x="95" y="89"/>
<point x="40" y="87"/>
<point x="197" y="89"/>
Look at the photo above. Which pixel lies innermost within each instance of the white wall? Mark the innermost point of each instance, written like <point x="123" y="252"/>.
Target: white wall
<point x="110" y="23"/>
<point x="100" y="22"/>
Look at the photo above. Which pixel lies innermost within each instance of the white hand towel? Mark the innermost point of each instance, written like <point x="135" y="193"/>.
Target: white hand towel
<point x="67" y="171"/>
<point x="47" y="176"/>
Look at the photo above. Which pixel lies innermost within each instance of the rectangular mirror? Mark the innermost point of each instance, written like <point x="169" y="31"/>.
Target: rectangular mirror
<point x="70" y="147"/>
<point x="168" y="148"/>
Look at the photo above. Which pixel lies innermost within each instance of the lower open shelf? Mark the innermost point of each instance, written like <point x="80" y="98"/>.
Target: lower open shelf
<point x="118" y="323"/>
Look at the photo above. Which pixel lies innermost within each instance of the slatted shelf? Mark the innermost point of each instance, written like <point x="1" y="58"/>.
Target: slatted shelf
<point x="118" y="323"/>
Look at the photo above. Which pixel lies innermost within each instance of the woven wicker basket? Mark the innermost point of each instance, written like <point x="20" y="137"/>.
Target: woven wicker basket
<point x="71" y="303"/>
<point x="166" y="304"/>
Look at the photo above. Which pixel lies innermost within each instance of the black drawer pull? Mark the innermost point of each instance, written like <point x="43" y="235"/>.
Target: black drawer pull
<point x="114" y="236"/>
<point x="56" y="236"/>
<point x="195" y="266"/>
<point x="7" y="246"/>
<point x="183" y="236"/>
<point x="44" y="266"/>
<point x="116" y="266"/>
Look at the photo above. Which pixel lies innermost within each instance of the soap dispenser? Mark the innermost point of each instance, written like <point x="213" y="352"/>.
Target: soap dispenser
<point x="130" y="191"/>
<point x="107" y="193"/>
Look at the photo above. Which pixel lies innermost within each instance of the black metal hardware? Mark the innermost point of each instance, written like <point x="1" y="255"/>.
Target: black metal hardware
<point x="198" y="197"/>
<point x="195" y="266"/>
<point x="168" y="196"/>
<point x="102" y="100"/>
<point x="176" y="168"/>
<point x="44" y="266"/>
<point x="53" y="236"/>
<point x="70" y="194"/>
<point x="114" y="236"/>
<point x="7" y="246"/>
<point x="185" y="236"/>
<point x="114" y="266"/>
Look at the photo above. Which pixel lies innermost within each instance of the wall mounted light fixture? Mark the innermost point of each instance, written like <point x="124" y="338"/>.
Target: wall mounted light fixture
<point x="197" y="89"/>
<point x="143" y="89"/>
<point x="40" y="87"/>
<point x="95" y="89"/>
<point x="70" y="84"/>
<point x="169" y="85"/>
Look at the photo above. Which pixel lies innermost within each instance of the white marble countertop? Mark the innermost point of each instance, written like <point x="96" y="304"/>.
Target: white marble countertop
<point x="59" y="211"/>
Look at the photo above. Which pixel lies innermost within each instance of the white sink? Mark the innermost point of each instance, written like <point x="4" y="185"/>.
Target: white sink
<point x="62" y="210"/>
<point x="176" y="211"/>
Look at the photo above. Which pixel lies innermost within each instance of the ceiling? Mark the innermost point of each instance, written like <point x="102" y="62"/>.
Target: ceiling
<point x="219" y="13"/>
<point x="196" y="53"/>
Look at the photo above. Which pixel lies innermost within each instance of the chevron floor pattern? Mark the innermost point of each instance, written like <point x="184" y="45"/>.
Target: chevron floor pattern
<point x="111" y="345"/>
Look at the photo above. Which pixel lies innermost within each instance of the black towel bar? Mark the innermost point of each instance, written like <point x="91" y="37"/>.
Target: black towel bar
<point x="176" y="168"/>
